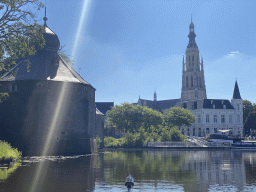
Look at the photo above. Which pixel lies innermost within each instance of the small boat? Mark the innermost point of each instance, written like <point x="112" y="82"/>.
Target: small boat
<point x="129" y="183"/>
<point x="245" y="145"/>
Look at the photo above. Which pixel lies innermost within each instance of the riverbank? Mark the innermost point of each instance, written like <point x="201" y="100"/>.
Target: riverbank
<point x="8" y="153"/>
<point x="168" y="148"/>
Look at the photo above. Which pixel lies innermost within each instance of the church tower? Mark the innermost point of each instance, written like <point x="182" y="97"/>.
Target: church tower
<point x="193" y="84"/>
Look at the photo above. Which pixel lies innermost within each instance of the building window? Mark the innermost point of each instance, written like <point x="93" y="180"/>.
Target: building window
<point x="200" y="83"/>
<point x="238" y="118"/>
<point x="187" y="81"/>
<point x="213" y="106"/>
<point x="238" y="107"/>
<point x="215" y="119"/>
<point x="199" y="132"/>
<point x="224" y="106"/>
<point x="194" y="131"/>
<point x="191" y="81"/>
<point x="215" y="130"/>
<point x="222" y="118"/>
<point x="230" y="118"/>
<point x="207" y="131"/>
<point x="207" y="118"/>
<point x="199" y="118"/>
<point x="13" y="88"/>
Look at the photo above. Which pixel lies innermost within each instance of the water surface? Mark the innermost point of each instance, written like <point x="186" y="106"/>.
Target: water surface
<point x="165" y="170"/>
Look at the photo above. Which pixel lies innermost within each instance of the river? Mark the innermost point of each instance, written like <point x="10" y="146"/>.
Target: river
<point x="162" y="170"/>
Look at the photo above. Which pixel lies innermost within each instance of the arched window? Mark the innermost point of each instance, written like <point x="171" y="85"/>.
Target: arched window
<point x="192" y="57"/>
<point x="187" y="81"/>
<point x="191" y="81"/>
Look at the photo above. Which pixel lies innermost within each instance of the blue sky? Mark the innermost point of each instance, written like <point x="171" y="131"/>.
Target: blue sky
<point x="129" y="48"/>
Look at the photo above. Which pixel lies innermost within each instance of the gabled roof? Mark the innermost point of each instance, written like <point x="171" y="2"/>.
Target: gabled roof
<point x="217" y="104"/>
<point x="161" y="104"/>
<point x="45" y="65"/>
<point x="236" y="93"/>
<point x="104" y="106"/>
<point x="98" y="112"/>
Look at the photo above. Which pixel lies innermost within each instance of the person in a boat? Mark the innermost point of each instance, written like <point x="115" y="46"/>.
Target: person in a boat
<point x="129" y="181"/>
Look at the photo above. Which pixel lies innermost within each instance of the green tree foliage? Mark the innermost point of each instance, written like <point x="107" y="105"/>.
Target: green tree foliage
<point x="129" y="117"/>
<point x="177" y="116"/>
<point x="20" y="35"/>
<point x="249" y="115"/>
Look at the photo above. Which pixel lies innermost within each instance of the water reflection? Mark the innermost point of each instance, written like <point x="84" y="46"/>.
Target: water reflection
<point x="7" y="170"/>
<point x="152" y="170"/>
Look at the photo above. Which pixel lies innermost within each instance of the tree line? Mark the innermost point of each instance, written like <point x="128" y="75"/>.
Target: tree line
<point x="143" y="124"/>
<point x="249" y="116"/>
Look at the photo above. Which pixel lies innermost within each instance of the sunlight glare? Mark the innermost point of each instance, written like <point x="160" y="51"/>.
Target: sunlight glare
<point x="84" y="13"/>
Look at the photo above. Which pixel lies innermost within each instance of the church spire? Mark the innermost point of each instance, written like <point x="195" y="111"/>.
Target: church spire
<point x="193" y="83"/>
<point x="236" y="93"/>
<point x="155" y="98"/>
<point x="192" y="35"/>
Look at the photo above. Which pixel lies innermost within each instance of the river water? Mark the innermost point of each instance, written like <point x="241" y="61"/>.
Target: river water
<point x="164" y="170"/>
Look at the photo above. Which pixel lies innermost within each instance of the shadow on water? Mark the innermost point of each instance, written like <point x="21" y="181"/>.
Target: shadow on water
<point x="70" y="173"/>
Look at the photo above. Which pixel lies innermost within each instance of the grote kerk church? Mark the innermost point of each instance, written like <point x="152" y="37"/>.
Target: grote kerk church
<point x="211" y="115"/>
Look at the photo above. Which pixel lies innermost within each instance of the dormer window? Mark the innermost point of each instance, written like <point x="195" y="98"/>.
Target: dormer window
<point x="224" y="106"/>
<point x="213" y="106"/>
<point x="13" y="88"/>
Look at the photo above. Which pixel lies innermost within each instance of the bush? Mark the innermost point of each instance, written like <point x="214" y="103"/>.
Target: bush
<point x="165" y="135"/>
<point x="112" y="142"/>
<point x="8" y="152"/>
<point x="129" y="140"/>
<point x="176" y="135"/>
<point x="98" y="141"/>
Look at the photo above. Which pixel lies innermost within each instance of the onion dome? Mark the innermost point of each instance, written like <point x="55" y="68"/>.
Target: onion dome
<point x="51" y="39"/>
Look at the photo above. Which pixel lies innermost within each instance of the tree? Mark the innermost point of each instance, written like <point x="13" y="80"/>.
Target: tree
<point x="128" y="117"/>
<point x="20" y="35"/>
<point x="249" y="116"/>
<point x="177" y="116"/>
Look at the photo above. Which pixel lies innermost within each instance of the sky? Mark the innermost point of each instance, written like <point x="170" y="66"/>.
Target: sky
<point x="127" y="49"/>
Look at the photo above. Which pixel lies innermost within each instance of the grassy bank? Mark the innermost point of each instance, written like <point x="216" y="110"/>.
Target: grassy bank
<point x="7" y="152"/>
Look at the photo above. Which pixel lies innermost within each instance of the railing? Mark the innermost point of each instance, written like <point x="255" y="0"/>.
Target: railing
<point x="250" y="138"/>
<point x="192" y="142"/>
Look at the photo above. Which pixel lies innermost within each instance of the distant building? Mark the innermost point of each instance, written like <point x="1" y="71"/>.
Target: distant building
<point x="104" y="107"/>
<point x="211" y="115"/>
<point x="51" y="108"/>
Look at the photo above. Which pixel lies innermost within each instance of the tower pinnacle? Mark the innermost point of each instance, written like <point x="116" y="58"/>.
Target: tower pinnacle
<point x="193" y="84"/>
<point x="45" y="18"/>
<point x="236" y="93"/>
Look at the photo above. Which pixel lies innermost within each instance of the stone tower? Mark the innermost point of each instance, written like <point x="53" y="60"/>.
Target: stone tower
<point x="193" y="84"/>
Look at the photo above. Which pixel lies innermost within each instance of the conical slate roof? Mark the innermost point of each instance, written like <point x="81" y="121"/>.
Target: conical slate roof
<point x="46" y="64"/>
<point x="236" y="94"/>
